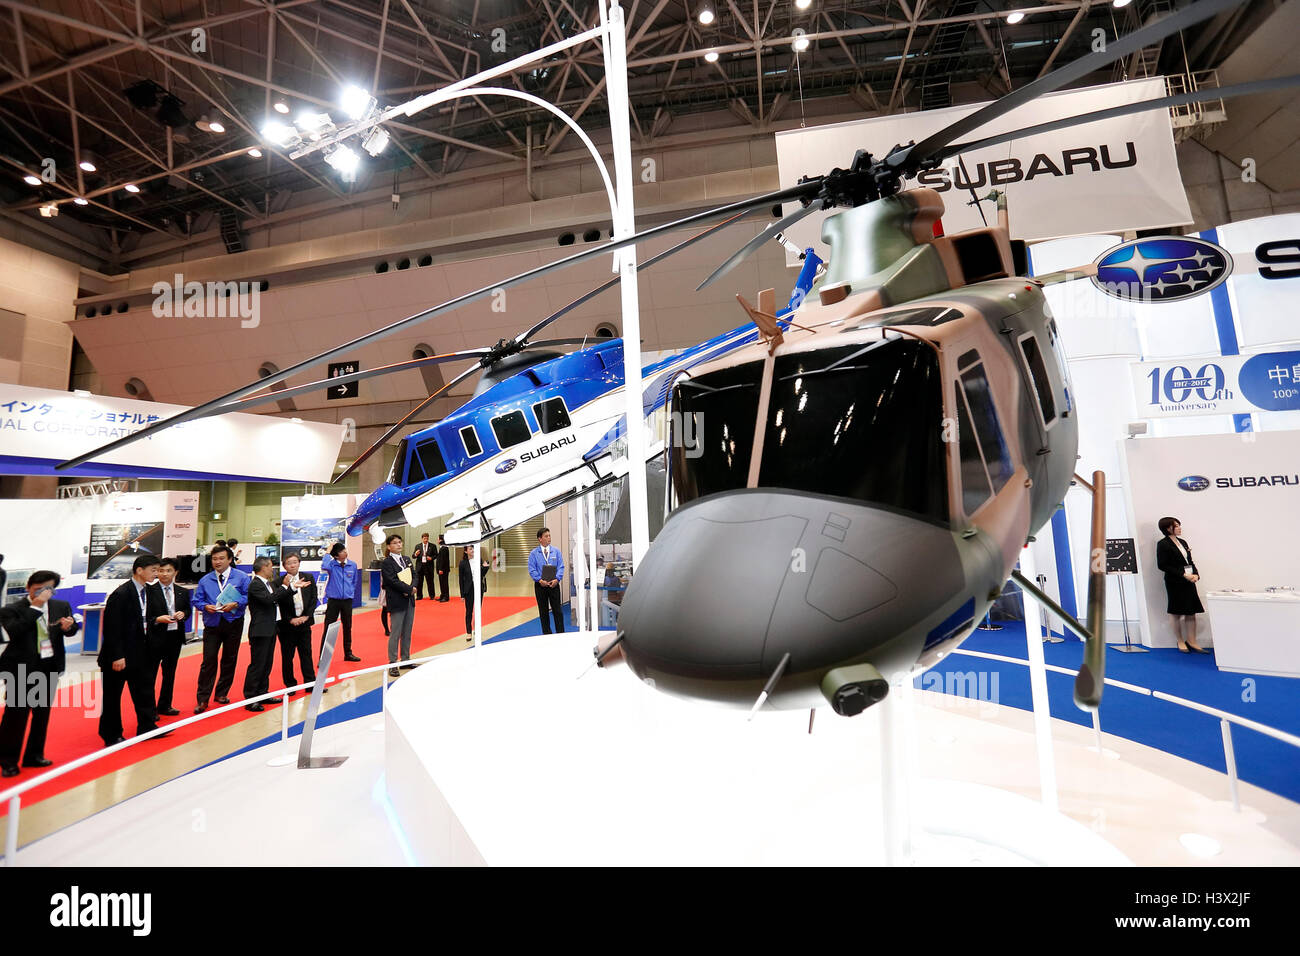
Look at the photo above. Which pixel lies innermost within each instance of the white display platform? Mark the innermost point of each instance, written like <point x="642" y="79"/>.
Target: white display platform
<point x="1256" y="632"/>
<point x="504" y="757"/>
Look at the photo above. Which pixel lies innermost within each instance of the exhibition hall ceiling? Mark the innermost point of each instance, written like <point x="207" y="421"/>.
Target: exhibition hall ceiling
<point x="171" y="94"/>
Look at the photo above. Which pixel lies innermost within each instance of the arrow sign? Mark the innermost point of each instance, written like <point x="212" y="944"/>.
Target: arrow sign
<point x="346" y="389"/>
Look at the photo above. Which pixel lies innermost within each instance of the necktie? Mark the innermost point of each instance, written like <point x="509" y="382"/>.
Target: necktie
<point x="144" y="609"/>
<point x="297" y="602"/>
<point x="171" y="605"/>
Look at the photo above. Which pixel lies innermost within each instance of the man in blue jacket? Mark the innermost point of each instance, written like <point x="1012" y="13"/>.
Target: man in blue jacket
<point x="546" y="587"/>
<point x="223" y="624"/>
<point x="339" y="591"/>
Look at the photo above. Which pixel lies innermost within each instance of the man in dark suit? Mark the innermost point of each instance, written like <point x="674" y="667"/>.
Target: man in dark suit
<point x="169" y="619"/>
<point x="423" y="561"/>
<point x="264" y="612"/>
<point x="399" y="596"/>
<point x="443" y="565"/>
<point x="297" y="610"/>
<point x="30" y="665"/>
<point x="124" y="656"/>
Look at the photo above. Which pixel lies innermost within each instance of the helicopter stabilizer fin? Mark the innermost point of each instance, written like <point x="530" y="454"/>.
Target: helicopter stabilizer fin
<point x="1067" y="275"/>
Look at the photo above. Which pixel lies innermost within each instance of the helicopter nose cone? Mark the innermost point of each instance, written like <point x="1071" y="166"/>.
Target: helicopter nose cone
<point x="383" y="505"/>
<point x="736" y="580"/>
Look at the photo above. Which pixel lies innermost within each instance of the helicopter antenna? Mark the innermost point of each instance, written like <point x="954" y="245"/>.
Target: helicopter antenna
<point x="974" y="199"/>
<point x="769" y="686"/>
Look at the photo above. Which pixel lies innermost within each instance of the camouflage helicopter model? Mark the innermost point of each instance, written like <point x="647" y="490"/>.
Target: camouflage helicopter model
<point x="863" y="483"/>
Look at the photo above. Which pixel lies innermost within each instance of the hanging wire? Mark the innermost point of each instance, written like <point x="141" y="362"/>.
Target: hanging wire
<point x="799" y="76"/>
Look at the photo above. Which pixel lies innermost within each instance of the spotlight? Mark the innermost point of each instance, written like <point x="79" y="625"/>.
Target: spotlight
<point x="376" y="141"/>
<point x="1015" y="16"/>
<point x="711" y="56"/>
<point x="344" y="160"/>
<point x="131" y="188"/>
<point x="355" y="102"/>
<point x="81" y="202"/>
<point x="170" y="112"/>
<point x="31" y="180"/>
<point x="273" y="131"/>
<point x="210" y="125"/>
<point x="803" y="4"/>
<point x="311" y="121"/>
<point x="87" y="161"/>
<point x="1122" y="3"/>
<point x="280" y="106"/>
<point x="255" y="153"/>
<point x="50" y="210"/>
<point x="706" y="16"/>
<point x="800" y="44"/>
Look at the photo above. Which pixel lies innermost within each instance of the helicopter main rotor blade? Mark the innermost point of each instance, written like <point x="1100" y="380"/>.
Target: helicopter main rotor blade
<point x="213" y="407"/>
<point x="400" y="424"/>
<point x="610" y="283"/>
<point x="929" y="150"/>
<point x="1182" y="99"/>
<point x="773" y="230"/>
<point x="325" y="383"/>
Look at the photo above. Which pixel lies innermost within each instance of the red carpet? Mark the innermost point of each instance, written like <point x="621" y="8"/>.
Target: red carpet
<point x="73" y="734"/>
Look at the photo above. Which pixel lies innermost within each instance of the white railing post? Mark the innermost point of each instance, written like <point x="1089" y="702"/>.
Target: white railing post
<point x="284" y="758"/>
<point x="1230" y="760"/>
<point x="11" y="831"/>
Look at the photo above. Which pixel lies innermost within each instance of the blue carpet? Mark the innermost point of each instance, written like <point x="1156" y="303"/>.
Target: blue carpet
<point x="1273" y="701"/>
<point x="532" y="628"/>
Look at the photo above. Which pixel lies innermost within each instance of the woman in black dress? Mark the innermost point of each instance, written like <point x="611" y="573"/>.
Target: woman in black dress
<point x="1174" y="558"/>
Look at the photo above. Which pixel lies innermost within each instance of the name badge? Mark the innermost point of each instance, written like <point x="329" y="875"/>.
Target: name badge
<point x="1187" y="569"/>
<point x="47" y="647"/>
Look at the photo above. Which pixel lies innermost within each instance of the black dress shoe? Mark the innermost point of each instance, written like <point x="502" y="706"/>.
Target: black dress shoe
<point x="201" y="708"/>
<point x="114" y="742"/>
<point x="10" y="770"/>
<point x="223" y="700"/>
<point x="394" y="672"/>
<point x="256" y="708"/>
<point x="353" y="658"/>
<point x="38" y="762"/>
<point x="168" y="712"/>
<point x="407" y="667"/>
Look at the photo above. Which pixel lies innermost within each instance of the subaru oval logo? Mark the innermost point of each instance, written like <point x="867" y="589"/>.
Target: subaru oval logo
<point x="507" y="465"/>
<point x="1194" y="483"/>
<point x="1162" y="268"/>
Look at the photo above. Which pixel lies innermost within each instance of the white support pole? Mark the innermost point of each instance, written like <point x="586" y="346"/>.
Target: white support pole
<point x="593" y="595"/>
<point x="579" y="605"/>
<point x="1230" y="763"/>
<point x="1038" y="688"/>
<point x="477" y="571"/>
<point x="615" y="44"/>
<point x="286" y="756"/>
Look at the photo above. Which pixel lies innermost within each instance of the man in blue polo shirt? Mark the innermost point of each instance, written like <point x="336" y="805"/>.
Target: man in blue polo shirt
<point x="546" y="587"/>
<point x="339" y="591"/>
<point x="223" y="624"/>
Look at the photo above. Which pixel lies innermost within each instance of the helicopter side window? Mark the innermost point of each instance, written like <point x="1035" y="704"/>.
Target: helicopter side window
<point x="1054" y="343"/>
<point x="511" y="429"/>
<point x="975" y="485"/>
<point x="469" y="438"/>
<point x="984" y="418"/>
<point x="426" y="462"/>
<point x="551" y="415"/>
<point x="1033" y="356"/>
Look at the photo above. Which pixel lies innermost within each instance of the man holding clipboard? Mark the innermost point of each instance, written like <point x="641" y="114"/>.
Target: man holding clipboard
<point x="546" y="568"/>
<point x="399" y="597"/>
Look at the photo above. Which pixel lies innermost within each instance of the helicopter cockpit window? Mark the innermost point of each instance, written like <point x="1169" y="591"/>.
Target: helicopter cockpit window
<point x="1038" y="372"/>
<point x="551" y="415"/>
<point x="717" y="413"/>
<point x="511" y="429"/>
<point x="1054" y="343"/>
<point x="862" y="421"/>
<point x="984" y="419"/>
<point x="399" y="460"/>
<point x="975" y="486"/>
<point x="426" y="462"/>
<point x="469" y="438"/>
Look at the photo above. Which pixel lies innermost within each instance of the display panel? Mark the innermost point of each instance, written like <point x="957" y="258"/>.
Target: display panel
<point x="114" y="548"/>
